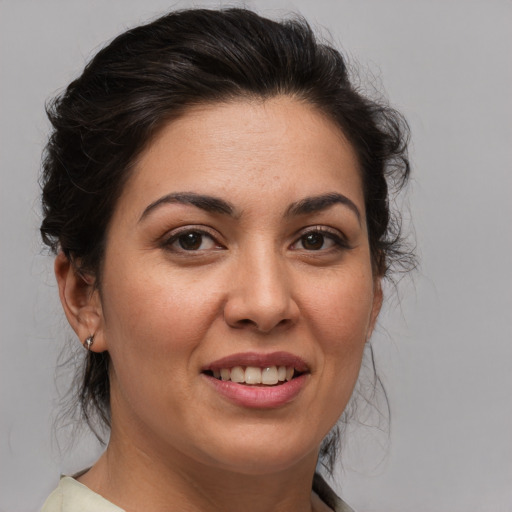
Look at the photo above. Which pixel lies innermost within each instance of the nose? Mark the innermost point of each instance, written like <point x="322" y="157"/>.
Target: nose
<point x="260" y="296"/>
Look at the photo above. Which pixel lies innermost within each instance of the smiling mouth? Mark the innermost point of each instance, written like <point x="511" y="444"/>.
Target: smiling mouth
<point x="254" y="375"/>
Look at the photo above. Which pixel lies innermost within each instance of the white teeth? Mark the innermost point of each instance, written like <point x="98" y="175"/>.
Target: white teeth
<point x="269" y="375"/>
<point x="237" y="374"/>
<point x="251" y="375"/>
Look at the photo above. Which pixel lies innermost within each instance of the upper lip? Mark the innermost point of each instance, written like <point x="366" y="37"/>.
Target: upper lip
<point x="259" y="360"/>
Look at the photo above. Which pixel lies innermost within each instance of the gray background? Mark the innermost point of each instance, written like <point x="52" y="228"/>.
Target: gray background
<point x="444" y="349"/>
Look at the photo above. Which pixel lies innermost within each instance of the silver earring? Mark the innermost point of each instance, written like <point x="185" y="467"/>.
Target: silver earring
<point x="89" y="341"/>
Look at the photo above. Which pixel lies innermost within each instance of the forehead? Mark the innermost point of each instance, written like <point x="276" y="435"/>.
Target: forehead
<point x="239" y="148"/>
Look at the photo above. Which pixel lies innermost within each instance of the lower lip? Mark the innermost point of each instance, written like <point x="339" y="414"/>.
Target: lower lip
<point x="259" y="397"/>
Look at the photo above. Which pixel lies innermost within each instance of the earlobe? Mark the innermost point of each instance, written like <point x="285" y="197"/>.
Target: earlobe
<point x="81" y="303"/>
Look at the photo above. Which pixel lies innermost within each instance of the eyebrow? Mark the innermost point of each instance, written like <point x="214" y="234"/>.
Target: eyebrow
<point x="322" y="202"/>
<point x="213" y="204"/>
<point x="204" y="202"/>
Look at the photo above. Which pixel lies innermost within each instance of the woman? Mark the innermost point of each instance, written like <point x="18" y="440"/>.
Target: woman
<point x="216" y="193"/>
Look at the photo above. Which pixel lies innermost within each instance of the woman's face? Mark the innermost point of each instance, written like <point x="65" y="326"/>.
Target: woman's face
<point x="238" y="252"/>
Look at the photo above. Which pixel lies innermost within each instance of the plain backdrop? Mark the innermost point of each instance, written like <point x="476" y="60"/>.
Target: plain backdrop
<point x="444" y="349"/>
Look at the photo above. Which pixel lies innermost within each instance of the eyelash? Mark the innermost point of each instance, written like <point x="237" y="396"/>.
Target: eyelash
<point x="339" y="241"/>
<point x="169" y="241"/>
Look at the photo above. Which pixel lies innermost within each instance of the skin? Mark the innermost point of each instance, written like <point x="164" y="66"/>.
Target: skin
<point x="255" y="283"/>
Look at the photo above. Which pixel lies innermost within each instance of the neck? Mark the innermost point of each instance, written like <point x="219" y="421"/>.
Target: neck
<point x="135" y="479"/>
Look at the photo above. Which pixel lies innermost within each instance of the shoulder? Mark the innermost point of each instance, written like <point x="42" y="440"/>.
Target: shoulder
<point x="72" y="496"/>
<point x="328" y="496"/>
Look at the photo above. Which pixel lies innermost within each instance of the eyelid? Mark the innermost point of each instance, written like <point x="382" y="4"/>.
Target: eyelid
<point x="172" y="236"/>
<point x="337" y="236"/>
<point x="333" y="234"/>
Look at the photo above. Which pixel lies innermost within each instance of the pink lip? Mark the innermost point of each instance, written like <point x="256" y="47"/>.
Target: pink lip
<point x="258" y="397"/>
<point x="261" y="360"/>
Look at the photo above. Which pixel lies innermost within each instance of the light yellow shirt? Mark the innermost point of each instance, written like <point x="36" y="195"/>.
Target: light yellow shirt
<point x="72" y="496"/>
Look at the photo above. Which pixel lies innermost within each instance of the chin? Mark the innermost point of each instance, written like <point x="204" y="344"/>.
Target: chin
<point x="263" y="455"/>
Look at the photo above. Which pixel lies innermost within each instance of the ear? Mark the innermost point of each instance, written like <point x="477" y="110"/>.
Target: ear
<point x="81" y="302"/>
<point x="377" y="304"/>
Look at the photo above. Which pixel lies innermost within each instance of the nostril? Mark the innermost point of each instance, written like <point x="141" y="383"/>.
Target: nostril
<point x="246" y="322"/>
<point x="253" y="313"/>
<point x="261" y="327"/>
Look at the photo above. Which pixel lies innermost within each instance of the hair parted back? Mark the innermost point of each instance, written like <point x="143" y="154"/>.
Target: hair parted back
<point x="152" y="74"/>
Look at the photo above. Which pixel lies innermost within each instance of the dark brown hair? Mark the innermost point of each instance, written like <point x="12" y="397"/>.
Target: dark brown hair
<point x="152" y="74"/>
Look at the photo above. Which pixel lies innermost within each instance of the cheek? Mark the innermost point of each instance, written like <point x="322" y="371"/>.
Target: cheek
<point x="340" y="315"/>
<point x="157" y="319"/>
<point x="342" y="306"/>
<point x="154" y="326"/>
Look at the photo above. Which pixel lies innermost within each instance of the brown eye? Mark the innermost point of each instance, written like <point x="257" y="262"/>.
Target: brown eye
<point x="321" y="239"/>
<point x="190" y="241"/>
<point x="313" y="241"/>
